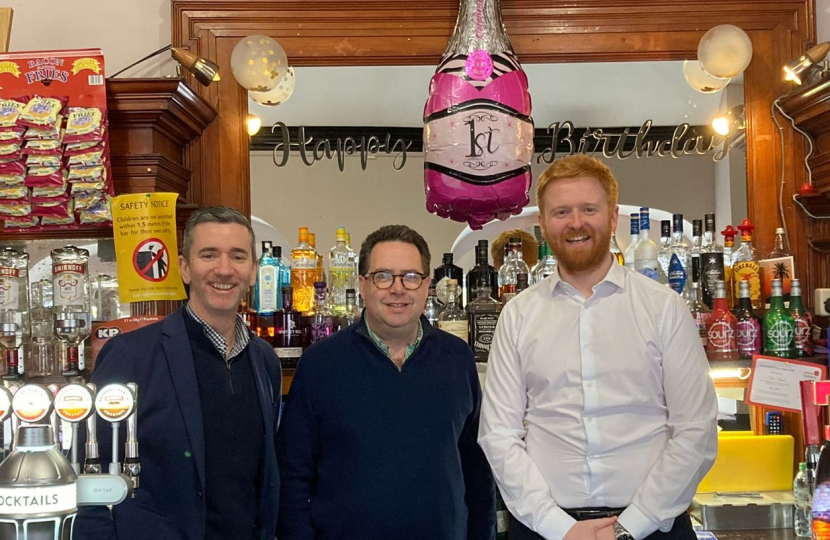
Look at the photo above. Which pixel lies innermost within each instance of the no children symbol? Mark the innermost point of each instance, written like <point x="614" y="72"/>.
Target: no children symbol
<point x="151" y="260"/>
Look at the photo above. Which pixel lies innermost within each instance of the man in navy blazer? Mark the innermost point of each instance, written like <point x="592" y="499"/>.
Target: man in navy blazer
<point x="208" y="404"/>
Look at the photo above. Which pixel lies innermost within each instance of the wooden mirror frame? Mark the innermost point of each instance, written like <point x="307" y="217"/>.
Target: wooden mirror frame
<point x="415" y="32"/>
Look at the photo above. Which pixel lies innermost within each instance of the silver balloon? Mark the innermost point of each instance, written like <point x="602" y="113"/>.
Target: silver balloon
<point x="700" y="80"/>
<point x="724" y="51"/>
<point x="278" y="95"/>
<point x="258" y="63"/>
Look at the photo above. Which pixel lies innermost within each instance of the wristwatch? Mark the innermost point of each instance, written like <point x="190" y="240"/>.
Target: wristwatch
<point x="620" y="533"/>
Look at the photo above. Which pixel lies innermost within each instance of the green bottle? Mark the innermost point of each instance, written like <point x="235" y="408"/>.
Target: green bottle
<point x="779" y="326"/>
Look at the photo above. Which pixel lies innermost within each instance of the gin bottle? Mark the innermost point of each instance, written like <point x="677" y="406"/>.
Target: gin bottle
<point x="547" y="263"/>
<point x="283" y="273"/>
<point x="303" y="272"/>
<point x="721" y="328"/>
<point x="312" y="242"/>
<point x="453" y="319"/>
<point x="267" y="280"/>
<point x="15" y="327"/>
<point x="749" y="325"/>
<point x="678" y="257"/>
<point x="477" y="273"/>
<point x="70" y="285"/>
<point x="779" y="325"/>
<point x="632" y="242"/>
<point x="482" y="316"/>
<point x="665" y="242"/>
<point x="341" y="273"/>
<point x="711" y="262"/>
<point x="288" y="341"/>
<point x="803" y="321"/>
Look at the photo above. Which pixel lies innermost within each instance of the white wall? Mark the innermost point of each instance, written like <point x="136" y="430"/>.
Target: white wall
<point x="823" y="20"/>
<point x="125" y="30"/>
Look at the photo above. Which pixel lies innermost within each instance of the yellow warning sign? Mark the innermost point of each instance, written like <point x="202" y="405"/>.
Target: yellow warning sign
<point x="144" y="227"/>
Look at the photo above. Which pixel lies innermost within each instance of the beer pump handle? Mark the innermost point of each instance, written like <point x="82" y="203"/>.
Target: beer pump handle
<point x="115" y="466"/>
<point x="92" y="457"/>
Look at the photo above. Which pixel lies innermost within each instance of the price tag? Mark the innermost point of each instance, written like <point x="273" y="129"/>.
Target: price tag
<point x="774" y="382"/>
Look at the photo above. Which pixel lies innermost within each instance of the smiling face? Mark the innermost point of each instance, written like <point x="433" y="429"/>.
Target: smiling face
<point x="577" y="223"/>
<point x="394" y="312"/>
<point x="220" y="270"/>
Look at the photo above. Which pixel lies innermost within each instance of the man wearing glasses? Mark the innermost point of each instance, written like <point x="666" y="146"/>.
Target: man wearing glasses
<point x="378" y="436"/>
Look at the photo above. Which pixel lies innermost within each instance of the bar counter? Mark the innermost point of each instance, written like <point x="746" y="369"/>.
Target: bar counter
<point x="760" y="534"/>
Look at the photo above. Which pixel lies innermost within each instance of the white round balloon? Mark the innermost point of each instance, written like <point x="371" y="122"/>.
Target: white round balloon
<point x="700" y="80"/>
<point x="278" y="95"/>
<point x="724" y="51"/>
<point x="258" y="63"/>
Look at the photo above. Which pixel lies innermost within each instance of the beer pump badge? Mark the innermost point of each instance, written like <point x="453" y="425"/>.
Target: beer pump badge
<point x="74" y="403"/>
<point x="115" y="402"/>
<point x="5" y="403"/>
<point x="32" y="403"/>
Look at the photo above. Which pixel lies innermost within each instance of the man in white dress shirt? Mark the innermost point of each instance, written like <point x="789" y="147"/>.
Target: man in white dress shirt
<point x="599" y="416"/>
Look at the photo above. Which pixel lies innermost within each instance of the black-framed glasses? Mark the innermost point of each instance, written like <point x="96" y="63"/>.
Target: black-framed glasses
<point x="384" y="279"/>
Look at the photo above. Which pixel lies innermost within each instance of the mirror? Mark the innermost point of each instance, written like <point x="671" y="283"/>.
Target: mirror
<point x="608" y="95"/>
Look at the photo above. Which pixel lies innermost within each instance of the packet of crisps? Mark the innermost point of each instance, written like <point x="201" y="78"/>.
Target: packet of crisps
<point x="60" y="207"/>
<point x="100" y="212"/>
<point x="88" y="174"/>
<point x="14" y="192"/>
<point x="45" y="176"/>
<point x="42" y="112"/>
<point x="9" y="112"/>
<point x="20" y="222"/>
<point x="85" y="125"/>
<point x="15" y="208"/>
<point x="43" y="147"/>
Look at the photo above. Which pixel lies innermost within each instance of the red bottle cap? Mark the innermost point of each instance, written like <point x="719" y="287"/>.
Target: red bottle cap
<point x="729" y="233"/>
<point x="746" y="227"/>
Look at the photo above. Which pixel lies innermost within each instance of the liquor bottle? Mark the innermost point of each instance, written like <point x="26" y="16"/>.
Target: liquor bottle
<point x="678" y="272"/>
<point x="802" y="493"/>
<point x="453" y="319"/>
<point x="721" y="328"/>
<point x="522" y="282"/>
<point x="615" y="250"/>
<point x="341" y="273"/>
<point x="482" y="267"/>
<point x="312" y="242"/>
<point x="694" y="252"/>
<point x="700" y="312"/>
<point x="729" y="234"/>
<point x="645" y="252"/>
<point x="15" y="323"/>
<point x="711" y="262"/>
<point x="443" y="274"/>
<point x="779" y="248"/>
<point x="779" y="325"/>
<point x="803" y="321"/>
<point x="283" y="273"/>
<point x="267" y="281"/>
<point x="433" y="307"/>
<point x="353" y="259"/>
<point x="632" y="242"/>
<point x="70" y="286"/>
<point x="288" y="342"/>
<point x="509" y="272"/>
<point x="546" y="264"/>
<point x="745" y="265"/>
<point x="482" y="317"/>
<point x="749" y="325"/>
<point x="322" y="326"/>
<point x="303" y="272"/>
<point x="665" y="242"/>
<point x="352" y="314"/>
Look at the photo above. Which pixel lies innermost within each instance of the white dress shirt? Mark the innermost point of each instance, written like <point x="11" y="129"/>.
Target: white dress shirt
<point x="598" y="402"/>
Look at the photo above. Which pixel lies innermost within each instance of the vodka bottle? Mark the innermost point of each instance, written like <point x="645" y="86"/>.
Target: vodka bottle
<point x="453" y="319"/>
<point x="71" y="311"/>
<point x="803" y="321"/>
<point x="15" y="328"/>
<point x="645" y="252"/>
<point x="482" y="316"/>
<point x="745" y="265"/>
<point x="632" y="242"/>
<point x="779" y="325"/>
<point x="303" y="272"/>
<point x="694" y="252"/>
<point x="678" y="273"/>
<point x="341" y="273"/>
<point x="665" y="242"/>
<point x="711" y="262"/>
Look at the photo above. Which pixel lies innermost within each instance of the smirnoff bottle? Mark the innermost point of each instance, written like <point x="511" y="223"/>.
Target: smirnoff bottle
<point x="749" y="325"/>
<point x="665" y="242"/>
<point x="303" y="272"/>
<point x="700" y="312"/>
<point x="70" y="285"/>
<point x="711" y="262"/>
<point x="745" y="265"/>
<point x="288" y="340"/>
<point x="678" y="272"/>
<point x="694" y="252"/>
<point x="779" y="325"/>
<point x="322" y="326"/>
<point x="628" y="257"/>
<point x="341" y="272"/>
<point x="476" y="273"/>
<point x="482" y="317"/>
<point x="14" y="309"/>
<point x="453" y="319"/>
<point x="721" y="328"/>
<point x="803" y="321"/>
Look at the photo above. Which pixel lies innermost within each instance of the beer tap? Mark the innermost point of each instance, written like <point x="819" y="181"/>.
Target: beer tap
<point x="74" y="404"/>
<point x="132" y="466"/>
<point x="115" y="402"/>
<point x="54" y="421"/>
<point x="14" y="421"/>
<point x="92" y="458"/>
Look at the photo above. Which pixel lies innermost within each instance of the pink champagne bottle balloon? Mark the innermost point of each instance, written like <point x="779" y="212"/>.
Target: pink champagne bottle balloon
<point x="478" y="133"/>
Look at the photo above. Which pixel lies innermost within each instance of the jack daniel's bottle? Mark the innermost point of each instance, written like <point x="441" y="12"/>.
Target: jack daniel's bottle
<point x="482" y="316"/>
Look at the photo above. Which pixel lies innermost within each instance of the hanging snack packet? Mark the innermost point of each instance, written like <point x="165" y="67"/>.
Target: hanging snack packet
<point x="87" y="174"/>
<point x="10" y="111"/>
<point x="84" y="125"/>
<point x="9" y="180"/>
<point x="42" y="112"/>
<point x="86" y="159"/>
<point x="14" y="192"/>
<point x="45" y="176"/>
<point x="43" y="160"/>
<point x="83" y="147"/>
<point x="43" y="147"/>
<point x="60" y="207"/>
<point x="100" y="212"/>
<point x="47" y="133"/>
<point x="20" y="222"/>
<point x="20" y="207"/>
<point x="81" y="187"/>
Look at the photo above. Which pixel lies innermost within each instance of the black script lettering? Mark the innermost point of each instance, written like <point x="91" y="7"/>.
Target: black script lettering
<point x="284" y="146"/>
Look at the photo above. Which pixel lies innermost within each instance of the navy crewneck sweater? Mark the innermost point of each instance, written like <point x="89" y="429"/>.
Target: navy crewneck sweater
<point x="372" y="452"/>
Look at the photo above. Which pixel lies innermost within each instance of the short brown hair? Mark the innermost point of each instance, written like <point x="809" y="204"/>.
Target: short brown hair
<point x="214" y="214"/>
<point x="574" y="167"/>
<point x="393" y="233"/>
<point x="530" y="247"/>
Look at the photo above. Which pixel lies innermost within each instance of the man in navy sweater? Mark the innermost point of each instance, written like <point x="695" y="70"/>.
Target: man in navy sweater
<point x="378" y="437"/>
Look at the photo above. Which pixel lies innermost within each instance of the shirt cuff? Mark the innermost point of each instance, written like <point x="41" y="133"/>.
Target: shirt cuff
<point x="555" y="524"/>
<point x="639" y="525"/>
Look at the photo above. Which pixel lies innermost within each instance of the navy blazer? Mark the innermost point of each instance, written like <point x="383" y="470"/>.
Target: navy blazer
<point x="169" y="503"/>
